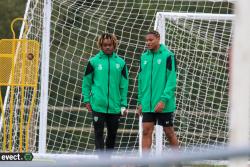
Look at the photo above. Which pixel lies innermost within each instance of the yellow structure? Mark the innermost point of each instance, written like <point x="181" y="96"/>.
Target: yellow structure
<point x="19" y="65"/>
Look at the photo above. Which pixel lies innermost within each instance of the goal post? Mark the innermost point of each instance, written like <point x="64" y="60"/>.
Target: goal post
<point x="45" y="54"/>
<point x="169" y="24"/>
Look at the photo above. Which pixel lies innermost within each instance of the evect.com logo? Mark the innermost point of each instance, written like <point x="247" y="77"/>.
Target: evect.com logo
<point x="16" y="156"/>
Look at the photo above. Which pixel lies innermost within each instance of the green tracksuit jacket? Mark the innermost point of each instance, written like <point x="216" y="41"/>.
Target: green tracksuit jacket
<point x="157" y="80"/>
<point x="105" y="83"/>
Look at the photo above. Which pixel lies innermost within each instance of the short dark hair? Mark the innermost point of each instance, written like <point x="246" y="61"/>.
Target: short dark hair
<point x="155" y="33"/>
<point x="112" y="37"/>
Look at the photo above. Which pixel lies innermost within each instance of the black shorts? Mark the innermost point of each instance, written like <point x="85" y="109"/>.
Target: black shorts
<point x="163" y="119"/>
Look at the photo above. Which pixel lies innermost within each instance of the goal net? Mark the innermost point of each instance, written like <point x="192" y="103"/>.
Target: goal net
<point x="201" y="43"/>
<point x="201" y="46"/>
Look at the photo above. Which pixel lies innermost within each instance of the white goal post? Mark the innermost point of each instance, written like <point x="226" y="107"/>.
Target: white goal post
<point x="45" y="54"/>
<point x="162" y="16"/>
<point x="181" y="18"/>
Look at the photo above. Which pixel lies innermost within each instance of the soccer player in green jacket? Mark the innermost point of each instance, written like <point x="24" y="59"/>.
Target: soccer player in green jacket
<point x="156" y="90"/>
<point x="104" y="89"/>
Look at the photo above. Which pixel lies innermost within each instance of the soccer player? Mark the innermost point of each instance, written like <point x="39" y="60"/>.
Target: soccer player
<point x="156" y="90"/>
<point x="105" y="88"/>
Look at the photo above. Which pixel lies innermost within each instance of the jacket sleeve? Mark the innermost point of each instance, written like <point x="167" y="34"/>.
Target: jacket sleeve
<point x="87" y="82"/>
<point x="124" y="86"/>
<point x="170" y="87"/>
<point x="139" y="86"/>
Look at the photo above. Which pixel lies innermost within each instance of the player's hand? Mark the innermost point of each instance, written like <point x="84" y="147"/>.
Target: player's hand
<point x="88" y="106"/>
<point x="159" y="107"/>
<point x="124" y="111"/>
<point x="139" y="110"/>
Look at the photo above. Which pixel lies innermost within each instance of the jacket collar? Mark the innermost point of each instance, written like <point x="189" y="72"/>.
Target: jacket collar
<point x="161" y="49"/>
<point x="102" y="54"/>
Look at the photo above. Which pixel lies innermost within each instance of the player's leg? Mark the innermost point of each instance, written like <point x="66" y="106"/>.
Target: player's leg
<point x="170" y="133"/>
<point x="166" y="120"/>
<point x="148" y="122"/>
<point x="98" y="122"/>
<point x="112" y="121"/>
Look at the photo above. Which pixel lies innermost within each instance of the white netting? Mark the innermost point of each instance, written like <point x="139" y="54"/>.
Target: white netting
<point x="201" y="43"/>
<point x="200" y="46"/>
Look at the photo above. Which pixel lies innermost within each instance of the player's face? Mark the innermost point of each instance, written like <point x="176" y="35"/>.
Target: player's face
<point x="107" y="46"/>
<point x="152" y="42"/>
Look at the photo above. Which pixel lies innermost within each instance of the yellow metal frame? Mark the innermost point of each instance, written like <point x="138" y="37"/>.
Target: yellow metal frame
<point x="20" y="48"/>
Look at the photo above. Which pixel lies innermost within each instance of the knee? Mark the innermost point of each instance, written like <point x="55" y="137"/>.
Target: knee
<point x="169" y="132"/>
<point x="147" y="132"/>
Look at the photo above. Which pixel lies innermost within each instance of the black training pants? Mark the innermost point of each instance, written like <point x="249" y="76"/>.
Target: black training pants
<point x="112" y="123"/>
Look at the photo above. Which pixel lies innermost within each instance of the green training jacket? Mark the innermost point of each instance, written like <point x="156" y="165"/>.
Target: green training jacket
<point x="105" y="83"/>
<point x="157" y="80"/>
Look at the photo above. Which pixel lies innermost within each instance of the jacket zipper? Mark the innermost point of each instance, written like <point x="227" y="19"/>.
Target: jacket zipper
<point x="108" y="82"/>
<point x="152" y="67"/>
